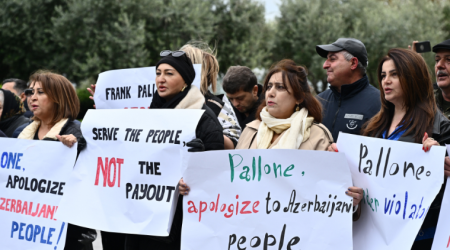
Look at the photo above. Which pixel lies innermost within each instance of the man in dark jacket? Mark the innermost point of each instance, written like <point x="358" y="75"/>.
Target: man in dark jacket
<point x="243" y="91"/>
<point x="351" y="100"/>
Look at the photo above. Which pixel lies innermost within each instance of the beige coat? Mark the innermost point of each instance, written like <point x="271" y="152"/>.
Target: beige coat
<point x="320" y="138"/>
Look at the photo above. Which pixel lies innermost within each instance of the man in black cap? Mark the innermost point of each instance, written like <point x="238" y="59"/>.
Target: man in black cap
<point x="442" y="70"/>
<point x="351" y="100"/>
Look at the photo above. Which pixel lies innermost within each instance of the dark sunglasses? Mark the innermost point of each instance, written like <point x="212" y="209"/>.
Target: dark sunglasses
<point x="177" y="53"/>
<point x="29" y="92"/>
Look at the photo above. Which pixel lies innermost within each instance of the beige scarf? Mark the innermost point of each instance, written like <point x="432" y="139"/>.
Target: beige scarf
<point x="193" y="100"/>
<point x="297" y="130"/>
<point x="29" y="131"/>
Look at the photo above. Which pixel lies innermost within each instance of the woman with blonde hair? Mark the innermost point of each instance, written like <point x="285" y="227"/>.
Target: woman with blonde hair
<point x="201" y="53"/>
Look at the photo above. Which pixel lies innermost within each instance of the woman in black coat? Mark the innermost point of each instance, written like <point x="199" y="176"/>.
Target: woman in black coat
<point x="174" y="76"/>
<point x="55" y="105"/>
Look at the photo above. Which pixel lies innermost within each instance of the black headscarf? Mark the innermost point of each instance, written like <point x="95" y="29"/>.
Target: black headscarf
<point x="160" y="103"/>
<point x="12" y="109"/>
<point x="185" y="67"/>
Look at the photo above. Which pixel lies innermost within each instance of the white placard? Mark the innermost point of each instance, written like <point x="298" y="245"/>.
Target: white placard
<point x="441" y="239"/>
<point x="400" y="181"/>
<point x="130" y="88"/>
<point x="33" y="177"/>
<point x="125" y="180"/>
<point x="266" y="199"/>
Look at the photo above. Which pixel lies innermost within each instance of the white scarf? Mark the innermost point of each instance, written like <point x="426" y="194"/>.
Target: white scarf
<point x="193" y="100"/>
<point x="29" y="131"/>
<point x="297" y="130"/>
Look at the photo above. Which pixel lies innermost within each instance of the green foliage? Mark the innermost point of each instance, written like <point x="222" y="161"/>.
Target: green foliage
<point x="85" y="102"/>
<point x="380" y="25"/>
<point x="25" y="37"/>
<point x="82" y="38"/>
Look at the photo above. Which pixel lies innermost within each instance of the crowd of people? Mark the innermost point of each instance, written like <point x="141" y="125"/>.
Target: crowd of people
<point x="282" y="113"/>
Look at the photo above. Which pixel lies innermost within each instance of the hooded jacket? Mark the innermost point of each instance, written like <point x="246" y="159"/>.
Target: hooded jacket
<point x="349" y="109"/>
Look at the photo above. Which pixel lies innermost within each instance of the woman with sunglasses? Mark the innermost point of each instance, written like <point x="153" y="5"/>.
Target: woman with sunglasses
<point x="55" y="105"/>
<point x="11" y="113"/>
<point x="174" y="76"/>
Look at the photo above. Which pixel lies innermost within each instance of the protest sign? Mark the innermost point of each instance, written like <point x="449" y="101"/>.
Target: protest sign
<point x="266" y="199"/>
<point x="125" y="180"/>
<point x="442" y="236"/>
<point x="130" y="88"/>
<point x="400" y="181"/>
<point x="441" y="239"/>
<point x="33" y="177"/>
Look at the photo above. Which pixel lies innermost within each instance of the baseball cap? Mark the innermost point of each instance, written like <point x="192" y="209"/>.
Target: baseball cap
<point x="353" y="46"/>
<point x="444" y="45"/>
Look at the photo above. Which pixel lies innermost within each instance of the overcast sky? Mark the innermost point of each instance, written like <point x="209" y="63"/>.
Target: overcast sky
<point x="271" y="8"/>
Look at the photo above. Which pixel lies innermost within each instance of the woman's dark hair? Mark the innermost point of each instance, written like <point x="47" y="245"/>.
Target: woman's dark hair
<point x="418" y="97"/>
<point x="61" y="92"/>
<point x="295" y="76"/>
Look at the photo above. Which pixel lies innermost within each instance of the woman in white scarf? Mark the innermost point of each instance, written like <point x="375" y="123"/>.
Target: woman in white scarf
<point x="289" y="117"/>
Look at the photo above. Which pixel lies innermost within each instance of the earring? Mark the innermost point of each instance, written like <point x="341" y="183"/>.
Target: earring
<point x="298" y="108"/>
<point x="183" y="88"/>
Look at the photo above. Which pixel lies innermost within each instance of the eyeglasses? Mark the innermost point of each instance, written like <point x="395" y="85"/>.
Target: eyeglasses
<point x="177" y="53"/>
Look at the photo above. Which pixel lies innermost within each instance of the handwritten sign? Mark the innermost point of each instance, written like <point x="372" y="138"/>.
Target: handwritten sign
<point x="130" y="88"/>
<point x="33" y="177"/>
<point x="441" y="239"/>
<point x="127" y="176"/>
<point x="267" y="199"/>
<point x="400" y="181"/>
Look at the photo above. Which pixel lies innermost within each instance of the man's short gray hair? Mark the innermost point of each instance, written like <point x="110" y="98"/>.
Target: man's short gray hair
<point x="349" y="57"/>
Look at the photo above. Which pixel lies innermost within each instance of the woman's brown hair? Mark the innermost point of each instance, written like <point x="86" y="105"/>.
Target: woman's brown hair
<point x="295" y="76"/>
<point x="61" y="92"/>
<point x="418" y="97"/>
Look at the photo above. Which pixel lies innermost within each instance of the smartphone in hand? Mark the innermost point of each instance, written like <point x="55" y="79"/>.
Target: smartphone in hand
<point x="423" y="47"/>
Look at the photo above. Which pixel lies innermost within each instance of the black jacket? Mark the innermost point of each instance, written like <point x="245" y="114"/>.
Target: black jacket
<point x="20" y="120"/>
<point x="72" y="128"/>
<point x="348" y="110"/>
<point x="209" y="130"/>
<point x="441" y="133"/>
<point x="214" y="103"/>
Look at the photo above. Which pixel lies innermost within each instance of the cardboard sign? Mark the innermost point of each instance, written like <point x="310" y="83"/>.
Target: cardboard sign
<point x="130" y="88"/>
<point x="126" y="179"/>
<point x="441" y="239"/>
<point x="400" y="181"/>
<point x="33" y="178"/>
<point x="267" y="199"/>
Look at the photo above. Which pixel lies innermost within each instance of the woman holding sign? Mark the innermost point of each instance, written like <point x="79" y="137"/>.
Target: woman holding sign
<point x="409" y="114"/>
<point x="55" y="105"/>
<point x="290" y="117"/>
<point x="174" y="76"/>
